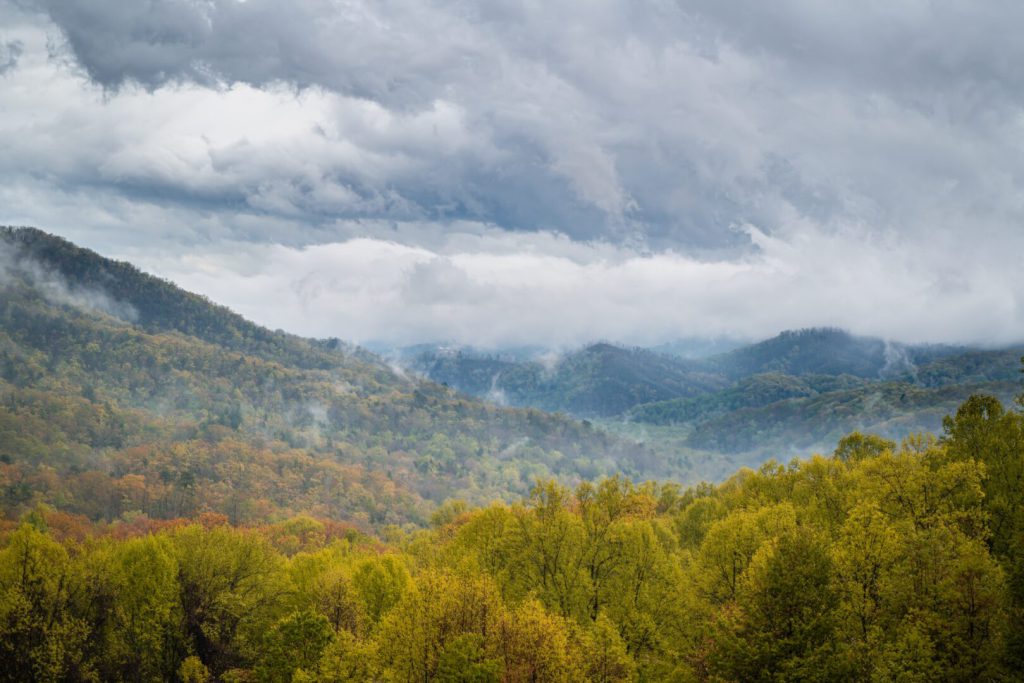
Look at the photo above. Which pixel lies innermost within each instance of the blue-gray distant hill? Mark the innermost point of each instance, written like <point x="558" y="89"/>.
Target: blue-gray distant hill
<point x="598" y="380"/>
<point x="795" y="391"/>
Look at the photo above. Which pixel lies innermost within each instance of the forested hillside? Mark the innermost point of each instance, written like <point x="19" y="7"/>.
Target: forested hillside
<point x="793" y="393"/>
<point x="598" y="380"/>
<point x="120" y="393"/>
<point x="826" y="351"/>
<point x="877" y="563"/>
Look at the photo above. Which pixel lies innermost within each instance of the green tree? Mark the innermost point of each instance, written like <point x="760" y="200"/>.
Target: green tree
<point x="731" y="542"/>
<point x="464" y="660"/>
<point x="605" y="654"/>
<point x="439" y="608"/>
<point x="379" y="584"/>
<point x="546" y="553"/>
<point x="296" y="641"/>
<point x="783" y="625"/>
<point x="232" y="586"/>
<point x="857" y="446"/>
<point x="138" y="580"/>
<point x="40" y="638"/>
<point x="983" y="431"/>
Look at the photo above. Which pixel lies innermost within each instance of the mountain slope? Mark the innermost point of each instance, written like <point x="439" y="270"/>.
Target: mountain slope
<point x="775" y="411"/>
<point x="598" y="380"/>
<point x="797" y="425"/>
<point x="64" y="273"/>
<point x="825" y="351"/>
<point x="112" y="379"/>
<point x="750" y="392"/>
<point x="791" y="391"/>
<point x="604" y="380"/>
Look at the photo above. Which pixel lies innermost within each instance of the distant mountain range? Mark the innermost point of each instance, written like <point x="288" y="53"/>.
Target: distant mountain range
<point x="796" y="391"/>
<point x="598" y="380"/>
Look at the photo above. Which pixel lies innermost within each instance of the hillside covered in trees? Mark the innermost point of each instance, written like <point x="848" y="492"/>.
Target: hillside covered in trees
<point x="790" y="394"/>
<point x="122" y="394"/>
<point x="877" y="563"/>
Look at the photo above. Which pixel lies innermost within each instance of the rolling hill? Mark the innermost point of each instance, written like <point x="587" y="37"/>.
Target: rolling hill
<point x="192" y="496"/>
<point x="598" y="380"/>
<point x="120" y="393"/>
<point x="792" y="393"/>
<point x="826" y="351"/>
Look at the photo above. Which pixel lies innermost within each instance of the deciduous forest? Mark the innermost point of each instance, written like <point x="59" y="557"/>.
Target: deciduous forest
<point x="877" y="562"/>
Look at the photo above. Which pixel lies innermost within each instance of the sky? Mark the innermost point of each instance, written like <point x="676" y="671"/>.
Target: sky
<point x="543" y="173"/>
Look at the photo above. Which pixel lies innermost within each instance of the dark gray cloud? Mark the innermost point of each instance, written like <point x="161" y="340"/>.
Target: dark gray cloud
<point x="9" y="54"/>
<point x="782" y="139"/>
<point x="668" y="122"/>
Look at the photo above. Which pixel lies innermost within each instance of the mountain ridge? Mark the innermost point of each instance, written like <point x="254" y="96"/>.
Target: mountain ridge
<point x="135" y="396"/>
<point x="809" y="368"/>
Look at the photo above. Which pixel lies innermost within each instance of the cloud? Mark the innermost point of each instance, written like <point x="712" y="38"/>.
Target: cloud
<point x="494" y="290"/>
<point x="16" y="267"/>
<point x="9" y="54"/>
<point x="668" y="123"/>
<point x="637" y="171"/>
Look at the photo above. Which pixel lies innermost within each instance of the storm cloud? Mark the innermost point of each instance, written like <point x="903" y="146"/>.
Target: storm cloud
<point x="682" y="168"/>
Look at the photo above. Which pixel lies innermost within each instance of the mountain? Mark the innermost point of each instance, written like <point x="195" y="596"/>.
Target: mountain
<point x="792" y="393"/>
<point x="798" y="425"/>
<point x="826" y="351"/>
<point x="120" y="393"/>
<point x="64" y="273"/>
<point x="694" y="348"/>
<point x="188" y="496"/>
<point x="776" y="412"/>
<point x="598" y="380"/>
<point x="604" y="380"/>
<point x="749" y="392"/>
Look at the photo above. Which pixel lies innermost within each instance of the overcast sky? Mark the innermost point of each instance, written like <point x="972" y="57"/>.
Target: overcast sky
<point x="539" y="172"/>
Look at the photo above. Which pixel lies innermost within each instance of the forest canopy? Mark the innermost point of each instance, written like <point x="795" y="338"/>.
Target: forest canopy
<point x="879" y="562"/>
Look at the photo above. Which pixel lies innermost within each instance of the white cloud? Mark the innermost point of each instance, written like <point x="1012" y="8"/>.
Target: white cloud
<point x="496" y="290"/>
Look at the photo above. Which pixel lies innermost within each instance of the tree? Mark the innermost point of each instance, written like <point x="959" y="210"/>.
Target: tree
<point x="40" y="638"/>
<point x="535" y="646"/>
<point x="605" y="654"/>
<point x="296" y="641"/>
<point x="420" y="631"/>
<point x="782" y="627"/>
<point x="464" y="660"/>
<point x="231" y="586"/>
<point x="379" y="584"/>
<point x="984" y="432"/>
<point x="731" y="543"/>
<point x="137" y="580"/>
<point x="545" y="556"/>
<point x="857" y="446"/>
<point x="864" y="556"/>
